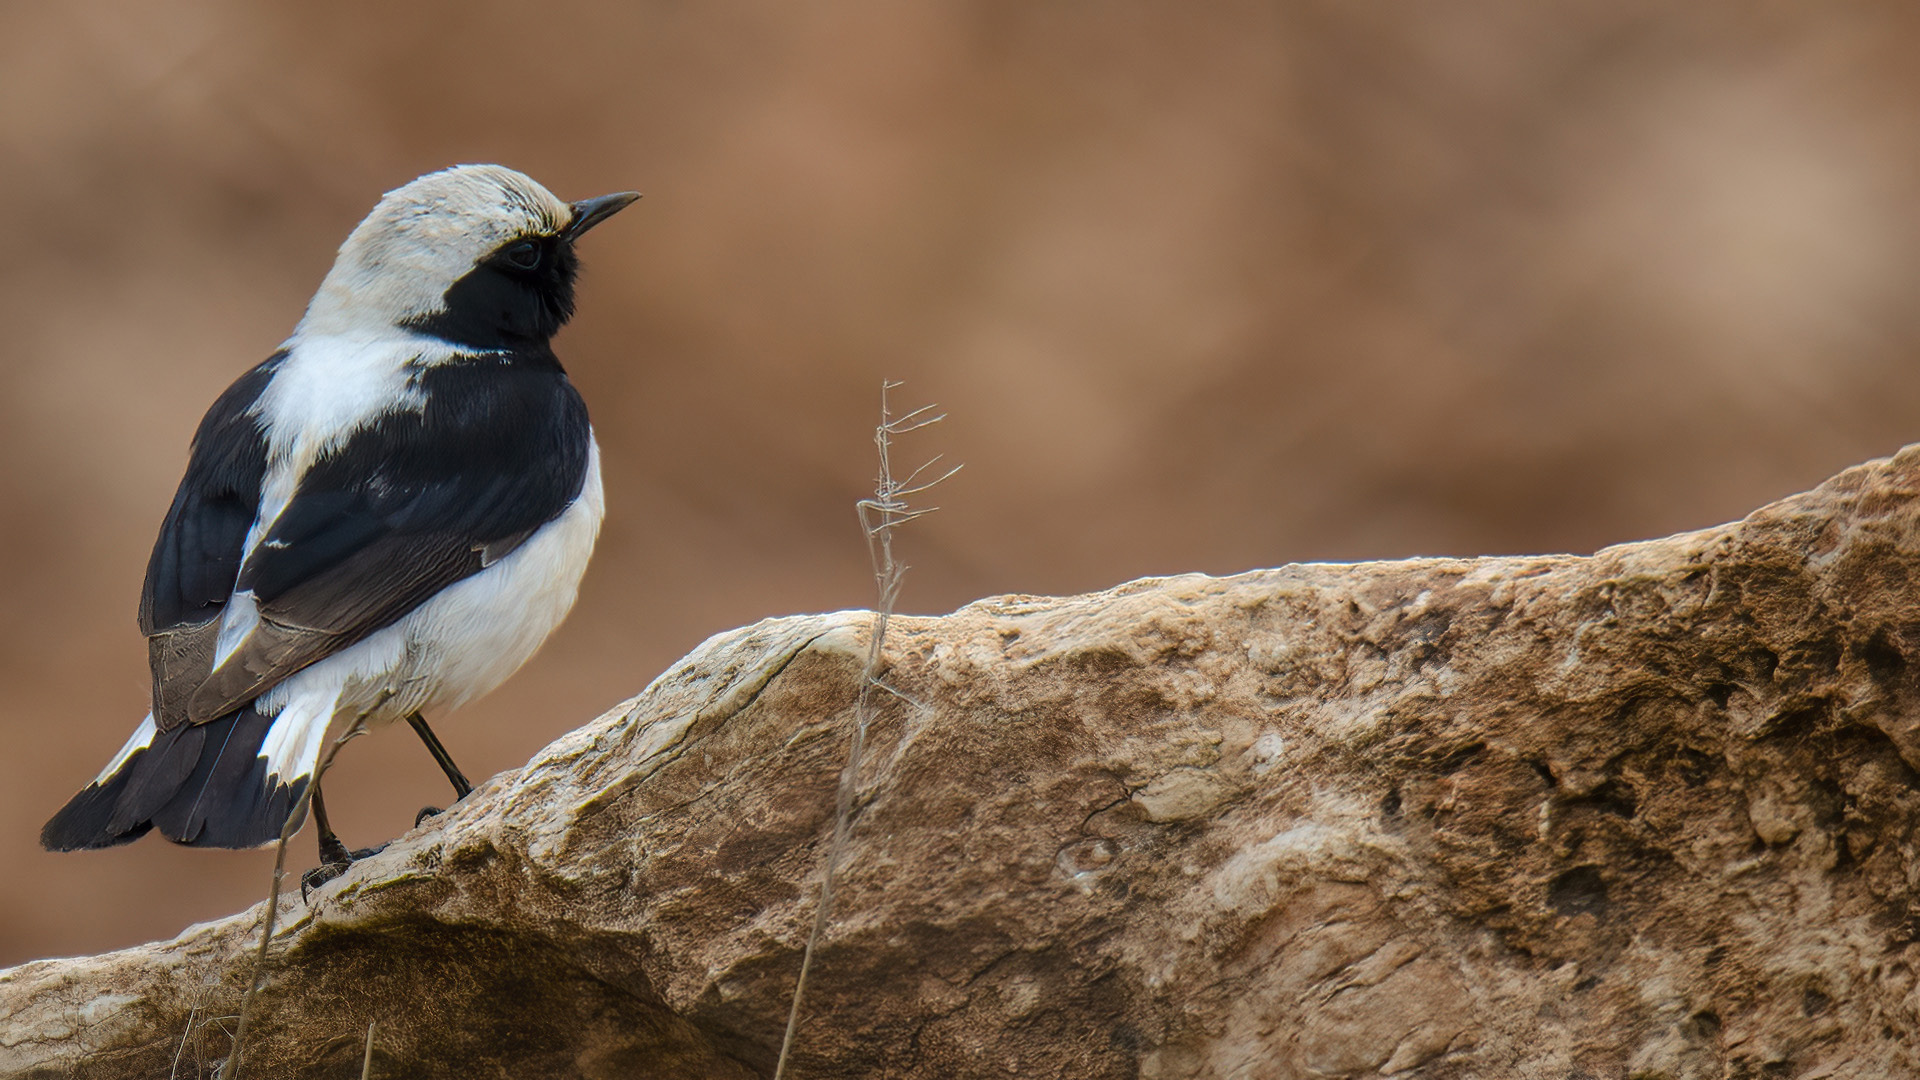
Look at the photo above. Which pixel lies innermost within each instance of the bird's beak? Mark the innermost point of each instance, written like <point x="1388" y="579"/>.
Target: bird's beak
<point x="590" y="212"/>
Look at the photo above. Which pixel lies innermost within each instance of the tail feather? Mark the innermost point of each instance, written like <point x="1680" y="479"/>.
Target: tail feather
<point x="82" y="823"/>
<point x="205" y="785"/>
<point x="223" y="799"/>
<point x="153" y="775"/>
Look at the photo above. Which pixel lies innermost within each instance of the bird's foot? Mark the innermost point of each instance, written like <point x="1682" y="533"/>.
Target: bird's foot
<point x="425" y="813"/>
<point x="335" y="859"/>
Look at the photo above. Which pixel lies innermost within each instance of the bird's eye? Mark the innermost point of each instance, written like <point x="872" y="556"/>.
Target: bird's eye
<point x="524" y="255"/>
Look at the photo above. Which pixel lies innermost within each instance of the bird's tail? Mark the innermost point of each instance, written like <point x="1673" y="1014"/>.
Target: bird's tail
<point x="230" y="783"/>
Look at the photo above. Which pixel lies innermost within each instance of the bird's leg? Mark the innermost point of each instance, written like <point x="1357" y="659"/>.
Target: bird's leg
<point x="334" y="856"/>
<point x="332" y="851"/>
<point x="458" y="779"/>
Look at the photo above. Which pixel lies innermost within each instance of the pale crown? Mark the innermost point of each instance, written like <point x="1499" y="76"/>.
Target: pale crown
<point x="397" y="265"/>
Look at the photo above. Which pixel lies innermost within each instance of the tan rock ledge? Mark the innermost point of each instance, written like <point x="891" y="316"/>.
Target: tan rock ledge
<point x="1647" y="813"/>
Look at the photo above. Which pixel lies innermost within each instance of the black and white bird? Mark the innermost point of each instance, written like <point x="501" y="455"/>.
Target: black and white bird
<point x="384" y="519"/>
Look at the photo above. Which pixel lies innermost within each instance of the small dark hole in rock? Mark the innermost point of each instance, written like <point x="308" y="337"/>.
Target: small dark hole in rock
<point x="1822" y="654"/>
<point x="1813" y="1002"/>
<point x="1581" y="890"/>
<point x="1612" y="797"/>
<point x="1796" y="724"/>
<point x="1882" y="655"/>
<point x="1695" y="766"/>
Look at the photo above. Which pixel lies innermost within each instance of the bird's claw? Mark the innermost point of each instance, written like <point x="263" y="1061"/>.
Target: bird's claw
<point x="425" y="813"/>
<point x="319" y="876"/>
<point x="332" y="867"/>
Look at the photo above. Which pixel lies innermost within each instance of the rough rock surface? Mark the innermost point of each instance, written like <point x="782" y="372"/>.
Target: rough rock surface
<point x="1648" y="813"/>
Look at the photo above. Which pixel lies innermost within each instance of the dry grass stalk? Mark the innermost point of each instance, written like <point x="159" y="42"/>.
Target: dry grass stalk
<point x="879" y="516"/>
<point x="231" y="1070"/>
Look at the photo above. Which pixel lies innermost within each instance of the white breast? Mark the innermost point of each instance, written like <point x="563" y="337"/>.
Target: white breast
<point x="478" y="631"/>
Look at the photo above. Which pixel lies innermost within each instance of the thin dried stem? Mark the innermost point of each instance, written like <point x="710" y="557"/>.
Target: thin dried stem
<point x="294" y="820"/>
<point x="879" y="516"/>
<point x="881" y="684"/>
<point x="175" y="1072"/>
<point x="366" y="1063"/>
<point x="910" y="487"/>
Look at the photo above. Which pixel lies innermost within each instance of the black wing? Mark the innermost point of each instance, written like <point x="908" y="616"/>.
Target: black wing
<point x="407" y="506"/>
<point x="196" y="558"/>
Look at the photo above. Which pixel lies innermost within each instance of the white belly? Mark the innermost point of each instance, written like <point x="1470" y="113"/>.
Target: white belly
<point x="469" y="637"/>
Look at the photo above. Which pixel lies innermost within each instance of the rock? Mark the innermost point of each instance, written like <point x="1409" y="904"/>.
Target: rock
<point x="1650" y="812"/>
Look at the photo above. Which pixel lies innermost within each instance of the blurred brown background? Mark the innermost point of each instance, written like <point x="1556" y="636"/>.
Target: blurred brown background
<point x="1204" y="287"/>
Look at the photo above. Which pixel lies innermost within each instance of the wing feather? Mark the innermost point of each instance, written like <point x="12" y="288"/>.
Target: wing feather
<point x="407" y="506"/>
<point x="196" y="557"/>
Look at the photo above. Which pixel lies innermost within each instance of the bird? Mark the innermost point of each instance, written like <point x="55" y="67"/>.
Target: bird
<point x="385" y="518"/>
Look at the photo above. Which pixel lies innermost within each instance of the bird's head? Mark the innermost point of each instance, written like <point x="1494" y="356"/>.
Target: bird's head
<point x="478" y="255"/>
